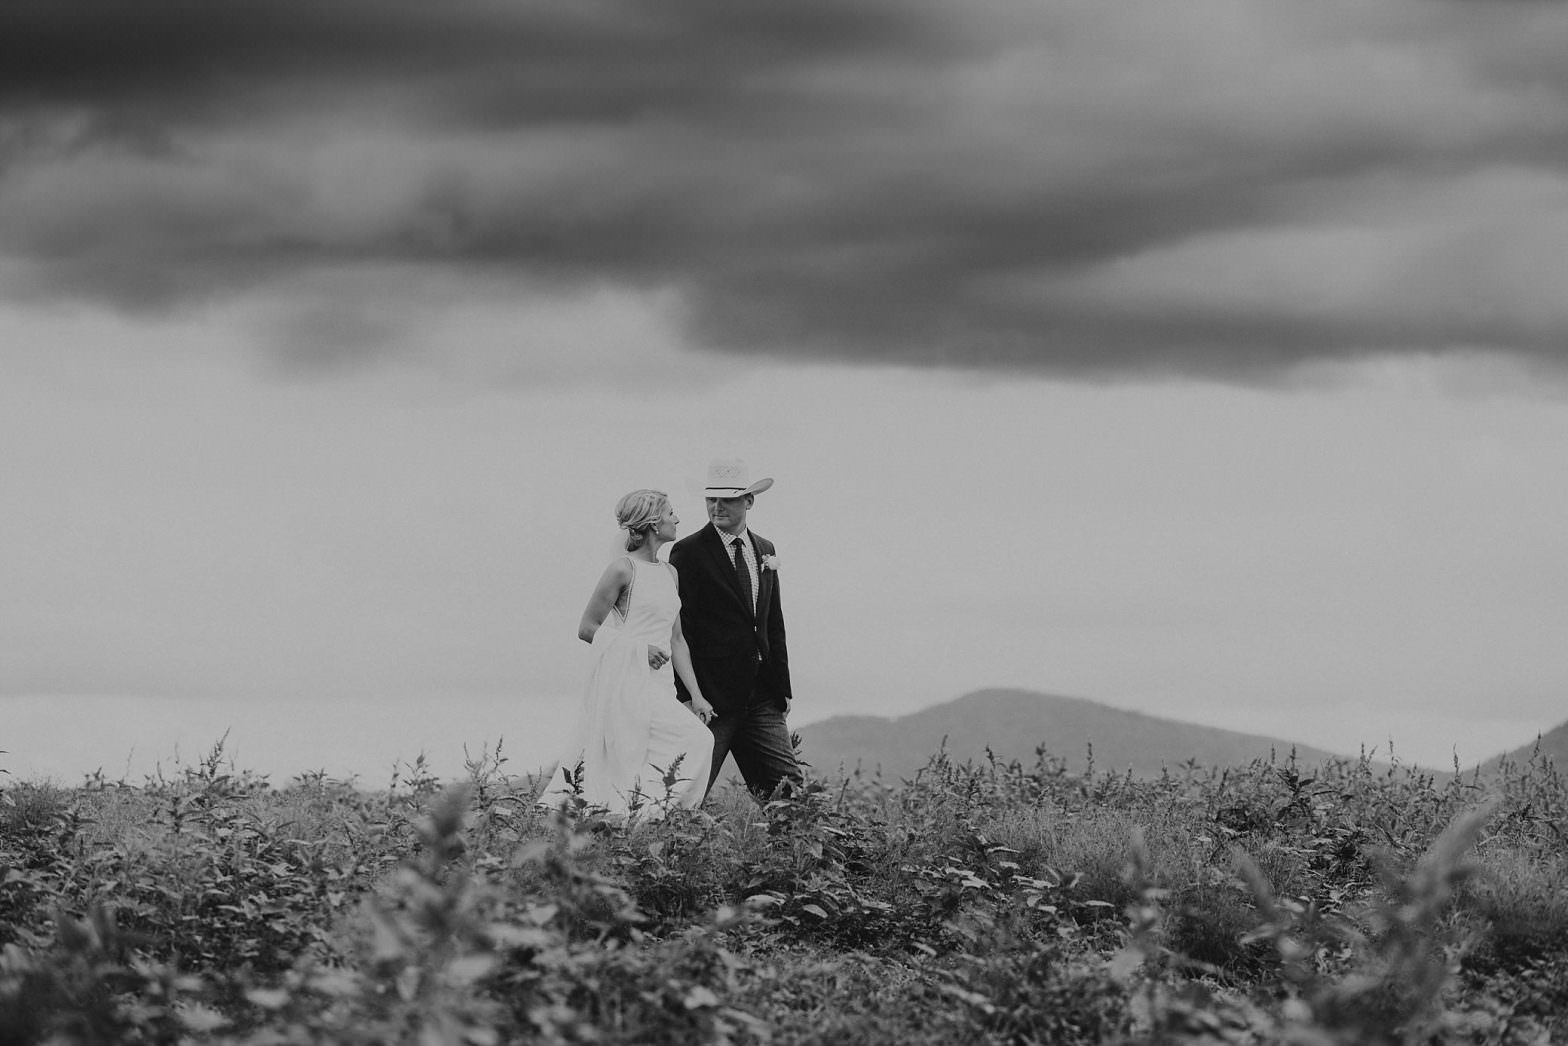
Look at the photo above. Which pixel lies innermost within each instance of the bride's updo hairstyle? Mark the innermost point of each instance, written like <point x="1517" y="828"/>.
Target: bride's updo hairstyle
<point x="638" y="514"/>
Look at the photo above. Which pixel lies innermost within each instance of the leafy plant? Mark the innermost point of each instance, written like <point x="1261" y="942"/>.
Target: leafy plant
<point x="973" y="903"/>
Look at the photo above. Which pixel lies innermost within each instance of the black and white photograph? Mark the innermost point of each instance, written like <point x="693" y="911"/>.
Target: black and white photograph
<point x="827" y="521"/>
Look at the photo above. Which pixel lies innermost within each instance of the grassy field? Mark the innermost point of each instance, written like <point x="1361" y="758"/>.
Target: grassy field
<point x="1270" y="903"/>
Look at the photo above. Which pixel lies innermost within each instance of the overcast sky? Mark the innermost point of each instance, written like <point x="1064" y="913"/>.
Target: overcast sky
<point x="1205" y="359"/>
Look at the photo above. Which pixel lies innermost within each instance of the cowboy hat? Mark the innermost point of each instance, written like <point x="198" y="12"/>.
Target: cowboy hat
<point x="730" y="478"/>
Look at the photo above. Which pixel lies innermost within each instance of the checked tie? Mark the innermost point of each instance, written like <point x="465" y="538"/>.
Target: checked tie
<point x="743" y="576"/>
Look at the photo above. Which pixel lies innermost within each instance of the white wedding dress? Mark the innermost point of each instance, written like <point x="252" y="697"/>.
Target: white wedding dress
<point x="630" y="729"/>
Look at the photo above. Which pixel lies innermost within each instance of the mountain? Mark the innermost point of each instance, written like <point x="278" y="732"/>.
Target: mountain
<point x="1014" y="722"/>
<point x="1552" y="745"/>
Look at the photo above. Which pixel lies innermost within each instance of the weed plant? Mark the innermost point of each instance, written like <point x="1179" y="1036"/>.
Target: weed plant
<point x="976" y="903"/>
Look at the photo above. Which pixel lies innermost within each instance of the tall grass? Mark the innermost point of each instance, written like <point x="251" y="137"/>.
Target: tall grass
<point x="974" y="903"/>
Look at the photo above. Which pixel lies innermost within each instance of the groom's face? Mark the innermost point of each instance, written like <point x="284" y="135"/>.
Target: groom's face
<point x="729" y="514"/>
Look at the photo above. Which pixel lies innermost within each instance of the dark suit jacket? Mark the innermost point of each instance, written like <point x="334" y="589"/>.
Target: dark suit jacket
<point x="733" y="653"/>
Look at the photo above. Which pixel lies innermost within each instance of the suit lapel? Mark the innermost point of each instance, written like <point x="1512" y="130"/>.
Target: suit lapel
<point x="761" y="548"/>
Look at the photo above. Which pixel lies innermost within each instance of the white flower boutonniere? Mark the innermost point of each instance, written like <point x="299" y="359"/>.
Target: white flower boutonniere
<point x="770" y="563"/>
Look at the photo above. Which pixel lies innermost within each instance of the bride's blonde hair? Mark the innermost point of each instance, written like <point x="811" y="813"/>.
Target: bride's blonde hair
<point x="638" y="513"/>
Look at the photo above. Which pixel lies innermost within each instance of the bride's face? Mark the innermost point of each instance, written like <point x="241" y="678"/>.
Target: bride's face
<point x="668" y="523"/>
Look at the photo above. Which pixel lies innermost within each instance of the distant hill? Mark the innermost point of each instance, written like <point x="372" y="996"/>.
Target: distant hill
<point x="1014" y="722"/>
<point x="1553" y="745"/>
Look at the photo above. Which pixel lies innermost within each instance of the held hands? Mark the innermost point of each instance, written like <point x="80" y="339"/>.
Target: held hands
<point x="702" y="710"/>
<point x="657" y="658"/>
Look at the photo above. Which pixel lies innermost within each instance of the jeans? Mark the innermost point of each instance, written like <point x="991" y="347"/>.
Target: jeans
<point x="759" y="740"/>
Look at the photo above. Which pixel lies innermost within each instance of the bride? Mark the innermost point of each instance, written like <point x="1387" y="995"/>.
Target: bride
<point x="632" y="734"/>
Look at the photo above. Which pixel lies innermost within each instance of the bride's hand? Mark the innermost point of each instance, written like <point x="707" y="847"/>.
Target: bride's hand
<point x="702" y="710"/>
<point x="657" y="658"/>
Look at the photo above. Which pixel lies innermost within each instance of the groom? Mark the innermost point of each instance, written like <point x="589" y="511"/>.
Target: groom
<point x="732" y="621"/>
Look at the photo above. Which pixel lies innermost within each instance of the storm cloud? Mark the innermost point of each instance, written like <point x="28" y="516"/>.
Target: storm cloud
<point x="1072" y="187"/>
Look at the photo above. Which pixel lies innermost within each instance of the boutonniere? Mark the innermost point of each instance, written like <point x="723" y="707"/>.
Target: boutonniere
<point x="770" y="563"/>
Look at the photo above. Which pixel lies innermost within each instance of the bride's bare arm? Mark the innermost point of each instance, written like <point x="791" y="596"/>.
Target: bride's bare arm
<point x="614" y="581"/>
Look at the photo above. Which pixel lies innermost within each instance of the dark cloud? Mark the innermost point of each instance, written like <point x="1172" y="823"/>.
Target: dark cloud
<point x="196" y="61"/>
<point x="1084" y="187"/>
